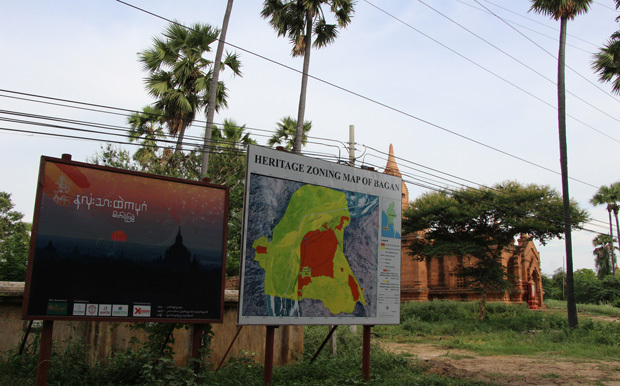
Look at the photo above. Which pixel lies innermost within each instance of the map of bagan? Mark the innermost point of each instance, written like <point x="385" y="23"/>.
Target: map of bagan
<point x="305" y="258"/>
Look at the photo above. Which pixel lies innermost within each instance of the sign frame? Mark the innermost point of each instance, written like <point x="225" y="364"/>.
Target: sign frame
<point x="279" y="168"/>
<point x="151" y="187"/>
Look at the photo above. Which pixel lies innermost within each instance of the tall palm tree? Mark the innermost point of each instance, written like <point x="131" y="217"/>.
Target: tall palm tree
<point x="287" y="133"/>
<point x="604" y="254"/>
<point x="211" y="94"/>
<point x="564" y="10"/>
<point x="609" y="196"/>
<point x="299" y="20"/>
<point x="179" y="74"/>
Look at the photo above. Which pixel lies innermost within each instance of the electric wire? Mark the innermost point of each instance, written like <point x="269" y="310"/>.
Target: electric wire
<point x="412" y="179"/>
<point x="252" y="129"/>
<point x="530" y="19"/>
<point x="407" y="178"/>
<point x="104" y="108"/>
<point x="339" y="157"/>
<point x="553" y="56"/>
<point x="377" y="102"/>
<point x="522" y="64"/>
<point x="489" y="72"/>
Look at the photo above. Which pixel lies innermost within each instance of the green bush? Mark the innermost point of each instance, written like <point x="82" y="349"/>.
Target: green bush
<point x="448" y="317"/>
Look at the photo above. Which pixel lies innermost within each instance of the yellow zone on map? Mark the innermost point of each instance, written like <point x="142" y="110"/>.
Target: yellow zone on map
<point x="305" y="257"/>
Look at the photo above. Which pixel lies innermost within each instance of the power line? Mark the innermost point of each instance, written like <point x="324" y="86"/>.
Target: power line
<point x="530" y="19"/>
<point x="380" y="103"/>
<point x="484" y="69"/>
<point x="524" y="65"/>
<point x="554" y="57"/>
<point x="235" y="151"/>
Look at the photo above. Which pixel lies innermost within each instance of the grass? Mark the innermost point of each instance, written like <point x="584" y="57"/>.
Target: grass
<point x="508" y="330"/>
<point x="592" y="309"/>
<point x="69" y="367"/>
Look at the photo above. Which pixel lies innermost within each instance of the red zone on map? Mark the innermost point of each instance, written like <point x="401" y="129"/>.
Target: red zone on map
<point x="317" y="250"/>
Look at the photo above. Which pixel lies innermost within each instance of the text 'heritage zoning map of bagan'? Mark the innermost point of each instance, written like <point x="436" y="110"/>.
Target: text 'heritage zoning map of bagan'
<point x="310" y="250"/>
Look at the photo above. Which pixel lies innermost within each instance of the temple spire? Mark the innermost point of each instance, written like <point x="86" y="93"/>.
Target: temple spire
<point x="391" y="168"/>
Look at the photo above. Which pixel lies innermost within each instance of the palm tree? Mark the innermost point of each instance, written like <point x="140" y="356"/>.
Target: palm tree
<point x="564" y="10"/>
<point x="604" y="254"/>
<point x="610" y="196"/>
<point x="211" y="94"/>
<point x="287" y="133"/>
<point x="615" y="207"/>
<point x="227" y="167"/>
<point x="300" y="20"/>
<point x="230" y="136"/>
<point x="179" y="74"/>
<point x="606" y="61"/>
<point x="148" y="127"/>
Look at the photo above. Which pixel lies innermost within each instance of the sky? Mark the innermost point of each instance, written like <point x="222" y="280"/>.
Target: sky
<point x="466" y="95"/>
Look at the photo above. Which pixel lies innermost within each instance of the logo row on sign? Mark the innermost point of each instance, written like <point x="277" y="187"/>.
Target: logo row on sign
<point x="91" y="309"/>
<point x="110" y="310"/>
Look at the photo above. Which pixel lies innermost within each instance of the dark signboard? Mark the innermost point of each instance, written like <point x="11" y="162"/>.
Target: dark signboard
<point x="108" y="244"/>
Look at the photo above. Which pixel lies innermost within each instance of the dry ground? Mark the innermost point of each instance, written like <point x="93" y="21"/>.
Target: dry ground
<point x="511" y="370"/>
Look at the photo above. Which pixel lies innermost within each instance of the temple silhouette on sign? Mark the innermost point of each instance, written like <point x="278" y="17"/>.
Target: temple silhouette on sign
<point x="178" y="256"/>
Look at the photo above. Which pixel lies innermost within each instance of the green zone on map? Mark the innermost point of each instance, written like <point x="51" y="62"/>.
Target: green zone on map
<point x="305" y="257"/>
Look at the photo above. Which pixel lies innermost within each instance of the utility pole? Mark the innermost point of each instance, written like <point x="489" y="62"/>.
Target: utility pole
<point x="352" y="145"/>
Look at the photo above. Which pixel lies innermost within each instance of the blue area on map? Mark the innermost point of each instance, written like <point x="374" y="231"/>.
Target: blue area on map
<point x="360" y="204"/>
<point x="388" y="230"/>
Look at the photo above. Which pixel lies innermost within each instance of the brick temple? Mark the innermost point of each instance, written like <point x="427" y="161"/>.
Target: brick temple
<point x="437" y="279"/>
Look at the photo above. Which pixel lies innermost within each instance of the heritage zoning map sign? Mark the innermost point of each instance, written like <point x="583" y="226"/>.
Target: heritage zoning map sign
<point x="321" y="242"/>
<point x="114" y="245"/>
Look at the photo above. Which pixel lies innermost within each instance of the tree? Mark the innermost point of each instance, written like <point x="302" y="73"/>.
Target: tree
<point x="211" y="95"/>
<point x="476" y="225"/>
<point x="592" y="290"/>
<point x="114" y="157"/>
<point x="299" y="20"/>
<point x="554" y="285"/>
<point x="603" y="255"/>
<point x="227" y="167"/>
<point x="286" y="133"/>
<point x="179" y="75"/>
<point x="564" y="10"/>
<point x="146" y="127"/>
<point x="615" y="207"/>
<point x="609" y="196"/>
<point x="14" y="241"/>
<point x="606" y="61"/>
<point x="587" y="286"/>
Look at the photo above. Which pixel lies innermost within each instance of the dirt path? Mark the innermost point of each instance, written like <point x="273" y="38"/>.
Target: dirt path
<point x="510" y="370"/>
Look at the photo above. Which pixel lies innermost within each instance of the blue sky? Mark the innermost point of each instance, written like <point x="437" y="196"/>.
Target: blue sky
<point x="438" y="87"/>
